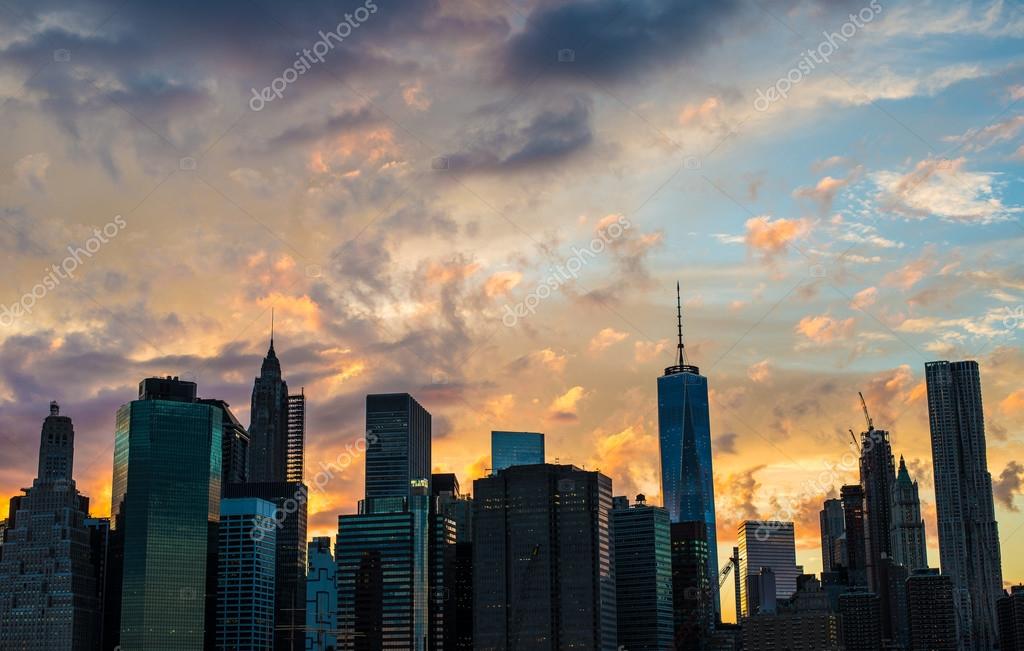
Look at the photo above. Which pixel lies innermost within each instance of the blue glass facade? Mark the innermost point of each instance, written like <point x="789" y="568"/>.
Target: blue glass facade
<point x="684" y="433"/>
<point x="516" y="449"/>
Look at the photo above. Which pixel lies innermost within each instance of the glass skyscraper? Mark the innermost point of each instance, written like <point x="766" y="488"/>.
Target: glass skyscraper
<point x="684" y="436"/>
<point x="245" y="575"/>
<point x="397" y="444"/>
<point x="643" y="574"/>
<point x="516" y="449"/>
<point x="767" y="544"/>
<point x="165" y="503"/>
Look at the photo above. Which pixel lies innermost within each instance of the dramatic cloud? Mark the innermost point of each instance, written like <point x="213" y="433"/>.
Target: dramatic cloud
<point x="824" y="329"/>
<point x="769" y="238"/>
<point x="1008" y="485"/>
<point x="605" y="338"/>
<point x="942" y="188"/>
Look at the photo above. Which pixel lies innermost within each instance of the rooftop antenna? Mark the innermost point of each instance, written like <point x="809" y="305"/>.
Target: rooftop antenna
<point x="679" y="325"/>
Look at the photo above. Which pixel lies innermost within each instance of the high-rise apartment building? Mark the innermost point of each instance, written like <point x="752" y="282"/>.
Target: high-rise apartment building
<point x="877" y="477"/>
<point x="296" y="443"/>
<point x="692" y="613"/>
<point x="643" y="574"/>
<point x="909" y="548"/>
<point x="516" y="449"/>
<point x="165" y="505"/>
<point x="246" y="564"/>
<point x="684" y="436"/>
<point x="968" y="534"/>
<point x="1010" y="612"/>
<point x="852" y="497"/>
<point x="767" y="544"/>
<point x="48" y="591"/>
<point x="543" y="562"/>
<point x="860" y="615"/>
<point x="321" y="597"/>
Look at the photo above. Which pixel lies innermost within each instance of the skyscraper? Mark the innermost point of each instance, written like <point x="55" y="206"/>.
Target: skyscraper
<point x="165" y="504"/>
<point x="852" y="497"/>
<point x="1010" y="609"/>
<point x="767" y="544"/>
<point x="908" y="539"/>
<point x="543" y="562"/>
<point x="931" y="615"/>
<point x="234" y="445"/>
<point x="968" y="533"/>
<point x="452" y="562"/>
<point x="268" y="423"/>
<point x="833" y="530"/>
<point x="516" y="449"/>
<point x="397" y="444"/>
<point x="692" y="614"/>
<point x="643" y="575"/>
<point x="877" y="477"/>
<point x="290" y="500"/>
<point x="48" y="595"/>
<point x="861" y="620"/>
<point x="321" y="597"/>
<point x="684" y="436"/>
<point x="247" y="542"/>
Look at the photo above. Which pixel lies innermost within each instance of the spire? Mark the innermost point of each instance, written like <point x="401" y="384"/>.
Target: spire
<point x="271" y="331"/>
<point x="679" y="326"/>
<point x="271" y="366"/>
<point x="903" y="475"/>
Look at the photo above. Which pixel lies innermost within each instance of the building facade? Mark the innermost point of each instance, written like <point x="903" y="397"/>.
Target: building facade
<point x="397" y="444"/>
<point x="321" y="597"/>
<point x="692" y="612"/>
<point x="516" y="449"/>
<point x="833" y="535"/>
<point x="852" y="496"/>
<point x="860" y="615"/>
<point x="877" y="478"/>
<point x="268" y="423"/>
<point x="643" y="575"/>
<point x="767" y="544"/>
<point x="931" y="615"/>
<point x="684" y="437"/>
<point x="543" y="562"/>
<point x="246" y="565"/>
<point x="48" y="590"/>
<point x="296" y="443"/>
<point x="165" y="505"/>
<point x="1010" y="611"/>
<point x="968" y="534"/>
<point x="909" y="547"/>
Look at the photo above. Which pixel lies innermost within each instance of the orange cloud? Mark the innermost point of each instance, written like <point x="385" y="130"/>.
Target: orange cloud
<point x="605" y="338"/>
<point x="697" y="113"/>
<point x="300" y="308"/>
<point x="760" y="371"/>
<point x="770" y="237"/>
<point x="502" y="282"/>
<point x="864" y="299"/>
<point x="823" y="329"/>
<point x="565" y="406"/>
<point x="1013" y="403"/>
<point x="647" y="351"/>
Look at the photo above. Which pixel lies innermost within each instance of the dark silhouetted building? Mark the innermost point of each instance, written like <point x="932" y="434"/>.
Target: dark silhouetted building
<point x="48" y="592"/>
<point x="692" y="615"/>
<point x="516" y="449"/>
<point x="804" y="623"/>
<point x="452" y="561"/>
<point x="268" y="423"/>
<point x="99" y="554"/>
<point x="1010" y="611"/>
<point x="397" y="444"/>
<point x="931" y="616"/>
<point x="877" y="478"/>
<point x="860" y="614"/>
<point x="234" y="445"/>
<point x="833" y="530"/>
<point x="684" y="437"/>
<point x="968" y="533"/>
<point x="246" y="550"/>
<point x="543" y="562"/>
<point x="852" y="497"/>
<point x="643" y="574"/>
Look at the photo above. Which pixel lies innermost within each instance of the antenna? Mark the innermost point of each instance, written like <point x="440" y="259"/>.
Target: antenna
<point x="271" y="326"/>
<point x="679" y="325"/>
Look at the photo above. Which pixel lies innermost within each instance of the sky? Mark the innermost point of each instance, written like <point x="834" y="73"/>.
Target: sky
<point x="487" y="204"/>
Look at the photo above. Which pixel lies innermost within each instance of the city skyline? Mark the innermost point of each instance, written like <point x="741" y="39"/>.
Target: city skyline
<point x="486" y="204"/>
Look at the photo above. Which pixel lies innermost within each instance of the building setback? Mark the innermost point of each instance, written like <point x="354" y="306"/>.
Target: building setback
<point x="165" y="504"/>
<point x="930" y="611"/>
<point x="909" y="547"/>
<point x="246" y="550"/>
<point x="968" y="533"/>
<point x="684" y="438"/>
<point x="48" y="591"/>
<point x="543" y="563"/>
<point x="643" y="575"/>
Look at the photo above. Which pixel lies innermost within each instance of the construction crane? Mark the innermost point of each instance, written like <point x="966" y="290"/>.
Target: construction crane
<point x="725" y="571"/>
<point x="856" y="443"/>
<point x="867" y="417"/>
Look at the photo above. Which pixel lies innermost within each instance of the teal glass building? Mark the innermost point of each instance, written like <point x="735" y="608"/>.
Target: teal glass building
<point x="684" y="436"/>
<point x="165" y="504"/>
<point x="643" y="575"/>
<point x="516" y="449"/>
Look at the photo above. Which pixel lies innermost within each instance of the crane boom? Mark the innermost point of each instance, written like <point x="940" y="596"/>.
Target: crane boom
<point x="867" y="417"/>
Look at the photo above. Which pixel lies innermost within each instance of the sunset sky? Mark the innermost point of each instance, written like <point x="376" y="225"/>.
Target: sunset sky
<point x="448" y="161"/>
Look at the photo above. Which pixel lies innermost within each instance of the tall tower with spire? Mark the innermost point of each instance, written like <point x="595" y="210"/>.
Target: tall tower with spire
<point x="684" y="437"/>
<point x="907" y="534"/>
<point x="268" y="421"/>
